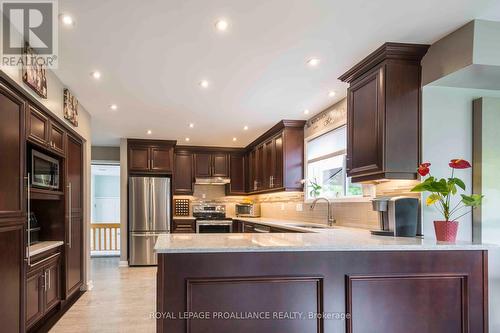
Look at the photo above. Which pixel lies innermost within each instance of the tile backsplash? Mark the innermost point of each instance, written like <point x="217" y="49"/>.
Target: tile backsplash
<point x="356" y="213"/>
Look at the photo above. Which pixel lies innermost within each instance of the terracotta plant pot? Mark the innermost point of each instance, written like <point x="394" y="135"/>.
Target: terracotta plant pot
<point x="446" y="231"/>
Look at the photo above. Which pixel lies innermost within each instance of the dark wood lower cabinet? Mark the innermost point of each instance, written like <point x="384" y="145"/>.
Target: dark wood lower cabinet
<point x="354" y="292"/>
<point x="183" y="226"/>
<point x="43" y="287"/>
<point x="11" y="275"/>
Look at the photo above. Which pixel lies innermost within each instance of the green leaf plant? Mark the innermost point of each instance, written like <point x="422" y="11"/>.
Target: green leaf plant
<point x="444" y="189"/>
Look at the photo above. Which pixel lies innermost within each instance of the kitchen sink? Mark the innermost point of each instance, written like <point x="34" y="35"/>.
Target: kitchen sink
<point x="308" y="225"/>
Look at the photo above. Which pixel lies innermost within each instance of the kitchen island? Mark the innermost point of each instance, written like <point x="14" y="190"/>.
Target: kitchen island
<point x="342" y="280"/>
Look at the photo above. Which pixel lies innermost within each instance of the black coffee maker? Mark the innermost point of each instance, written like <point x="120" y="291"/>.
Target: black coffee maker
<point x="398" y="216"/>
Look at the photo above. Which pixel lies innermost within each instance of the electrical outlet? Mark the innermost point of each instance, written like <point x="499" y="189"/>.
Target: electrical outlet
<point x="204" y="196"/>
<point x="282" y="206"/>
<point x="299" y="207"/>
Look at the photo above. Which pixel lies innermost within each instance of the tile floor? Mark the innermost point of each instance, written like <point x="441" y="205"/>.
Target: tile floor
<point x="121" y="301"/>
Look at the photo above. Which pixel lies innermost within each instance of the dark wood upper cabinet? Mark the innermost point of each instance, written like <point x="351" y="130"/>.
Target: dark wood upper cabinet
<point x="139" y="159"/>
<point x="162" y="159"/>
<point x="57" y="138"/>
<point x="74" y="216"/>
<point x="237" y="173"/>
<point x="45" y="132"/>
<point x="383" y="113"/>
<point x="151" y="156"/>
<point x="183" y="173"/>
<point x="276" y="159"/>
<point x="202" y="165"/>
<point x="208" y="164"/>
<point x="37" y="126"/>
<point x="12" y="186"/>
<point x="220" y="165"/>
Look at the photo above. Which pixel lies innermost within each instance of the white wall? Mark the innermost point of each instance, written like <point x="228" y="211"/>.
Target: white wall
<point x="54" y="103"/>
<point x="447" y="134"/>
<point x="123" y="204"/>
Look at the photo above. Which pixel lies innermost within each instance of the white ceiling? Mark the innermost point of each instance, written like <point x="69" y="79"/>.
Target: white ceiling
<point x="153" y="53"/>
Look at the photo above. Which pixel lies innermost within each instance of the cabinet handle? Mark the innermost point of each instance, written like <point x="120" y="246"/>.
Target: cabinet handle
<point x="48" y="271"/>
<point x="69" y="215"/>
<point x="28" y="211"/>
<point x="44" y="260"/>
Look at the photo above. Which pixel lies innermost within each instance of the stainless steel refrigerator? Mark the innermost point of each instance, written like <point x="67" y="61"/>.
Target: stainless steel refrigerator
<point x="149" y="216"/>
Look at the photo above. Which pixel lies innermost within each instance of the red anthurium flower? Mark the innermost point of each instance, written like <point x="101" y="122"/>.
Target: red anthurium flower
<point x="423" y="169"/>
<point x="459" y="164"/>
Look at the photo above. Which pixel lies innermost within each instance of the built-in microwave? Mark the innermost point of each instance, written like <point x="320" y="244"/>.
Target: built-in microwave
<point x="44" y="171"/>
<point x="247" y="210"/>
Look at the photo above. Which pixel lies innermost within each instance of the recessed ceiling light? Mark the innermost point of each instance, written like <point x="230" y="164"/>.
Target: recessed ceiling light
<point x="245" y="128"/>
<point x="96" y="75"/>
<point x="187" y="139"/>
<point x="221" y="25"/>
<point x="113" y="107"/>
<point x="332" y="93"/>
<point x="234" y="139"/>
<point x="306" y="111"/>
<point x="204" y="83"/>
<point x="149" y="132"/>
<point x="67" y="20"/>
<point x="191" y="125"/>
<point x="313" y="62"/>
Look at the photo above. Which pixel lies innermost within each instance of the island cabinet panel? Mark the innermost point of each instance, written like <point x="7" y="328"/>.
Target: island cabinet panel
<point x="358" y="292"/>
<point x="407" y="297"/>
<point x="183" y="173"/>
<point x="383" y="113"/>
<point x="263" y="295"/>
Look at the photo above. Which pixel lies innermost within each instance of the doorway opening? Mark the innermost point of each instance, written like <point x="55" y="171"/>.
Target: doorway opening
<point x="105" y="210"/>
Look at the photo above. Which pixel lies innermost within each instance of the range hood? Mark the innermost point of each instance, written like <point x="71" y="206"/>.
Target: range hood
<point x="212" y="181"/>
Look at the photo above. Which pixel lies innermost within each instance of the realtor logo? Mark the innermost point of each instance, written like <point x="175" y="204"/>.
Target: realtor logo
<point x="29" y="23"/>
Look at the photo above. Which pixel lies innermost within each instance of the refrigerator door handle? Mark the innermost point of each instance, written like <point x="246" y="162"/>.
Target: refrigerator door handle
<point x="151" y="203"/>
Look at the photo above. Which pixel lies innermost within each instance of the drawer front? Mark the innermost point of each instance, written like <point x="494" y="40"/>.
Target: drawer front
<point x="184" y="226"/>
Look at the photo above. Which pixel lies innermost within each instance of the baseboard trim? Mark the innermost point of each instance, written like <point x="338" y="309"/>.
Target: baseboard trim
<point x="123" y="263"/>
<point x="88" y="286"/>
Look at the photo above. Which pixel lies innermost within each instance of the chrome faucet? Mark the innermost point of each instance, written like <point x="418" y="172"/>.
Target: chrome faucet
<point x="330" y="220"/>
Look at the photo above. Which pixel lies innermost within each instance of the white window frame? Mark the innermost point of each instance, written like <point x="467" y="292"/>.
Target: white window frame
<point x="343" y="198"/>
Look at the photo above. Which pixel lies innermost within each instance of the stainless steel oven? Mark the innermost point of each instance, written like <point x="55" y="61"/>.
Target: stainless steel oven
<point x="214" y="226"/>
<point x="44" y="170"/>
<point x="211" y="218"/>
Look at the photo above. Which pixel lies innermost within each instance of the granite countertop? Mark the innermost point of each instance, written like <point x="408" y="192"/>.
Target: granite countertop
<point x="43" y="246"/>
<point x="335" y="239"/>
<point x="184" y="218"/>
<point x="289" y="224"/>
